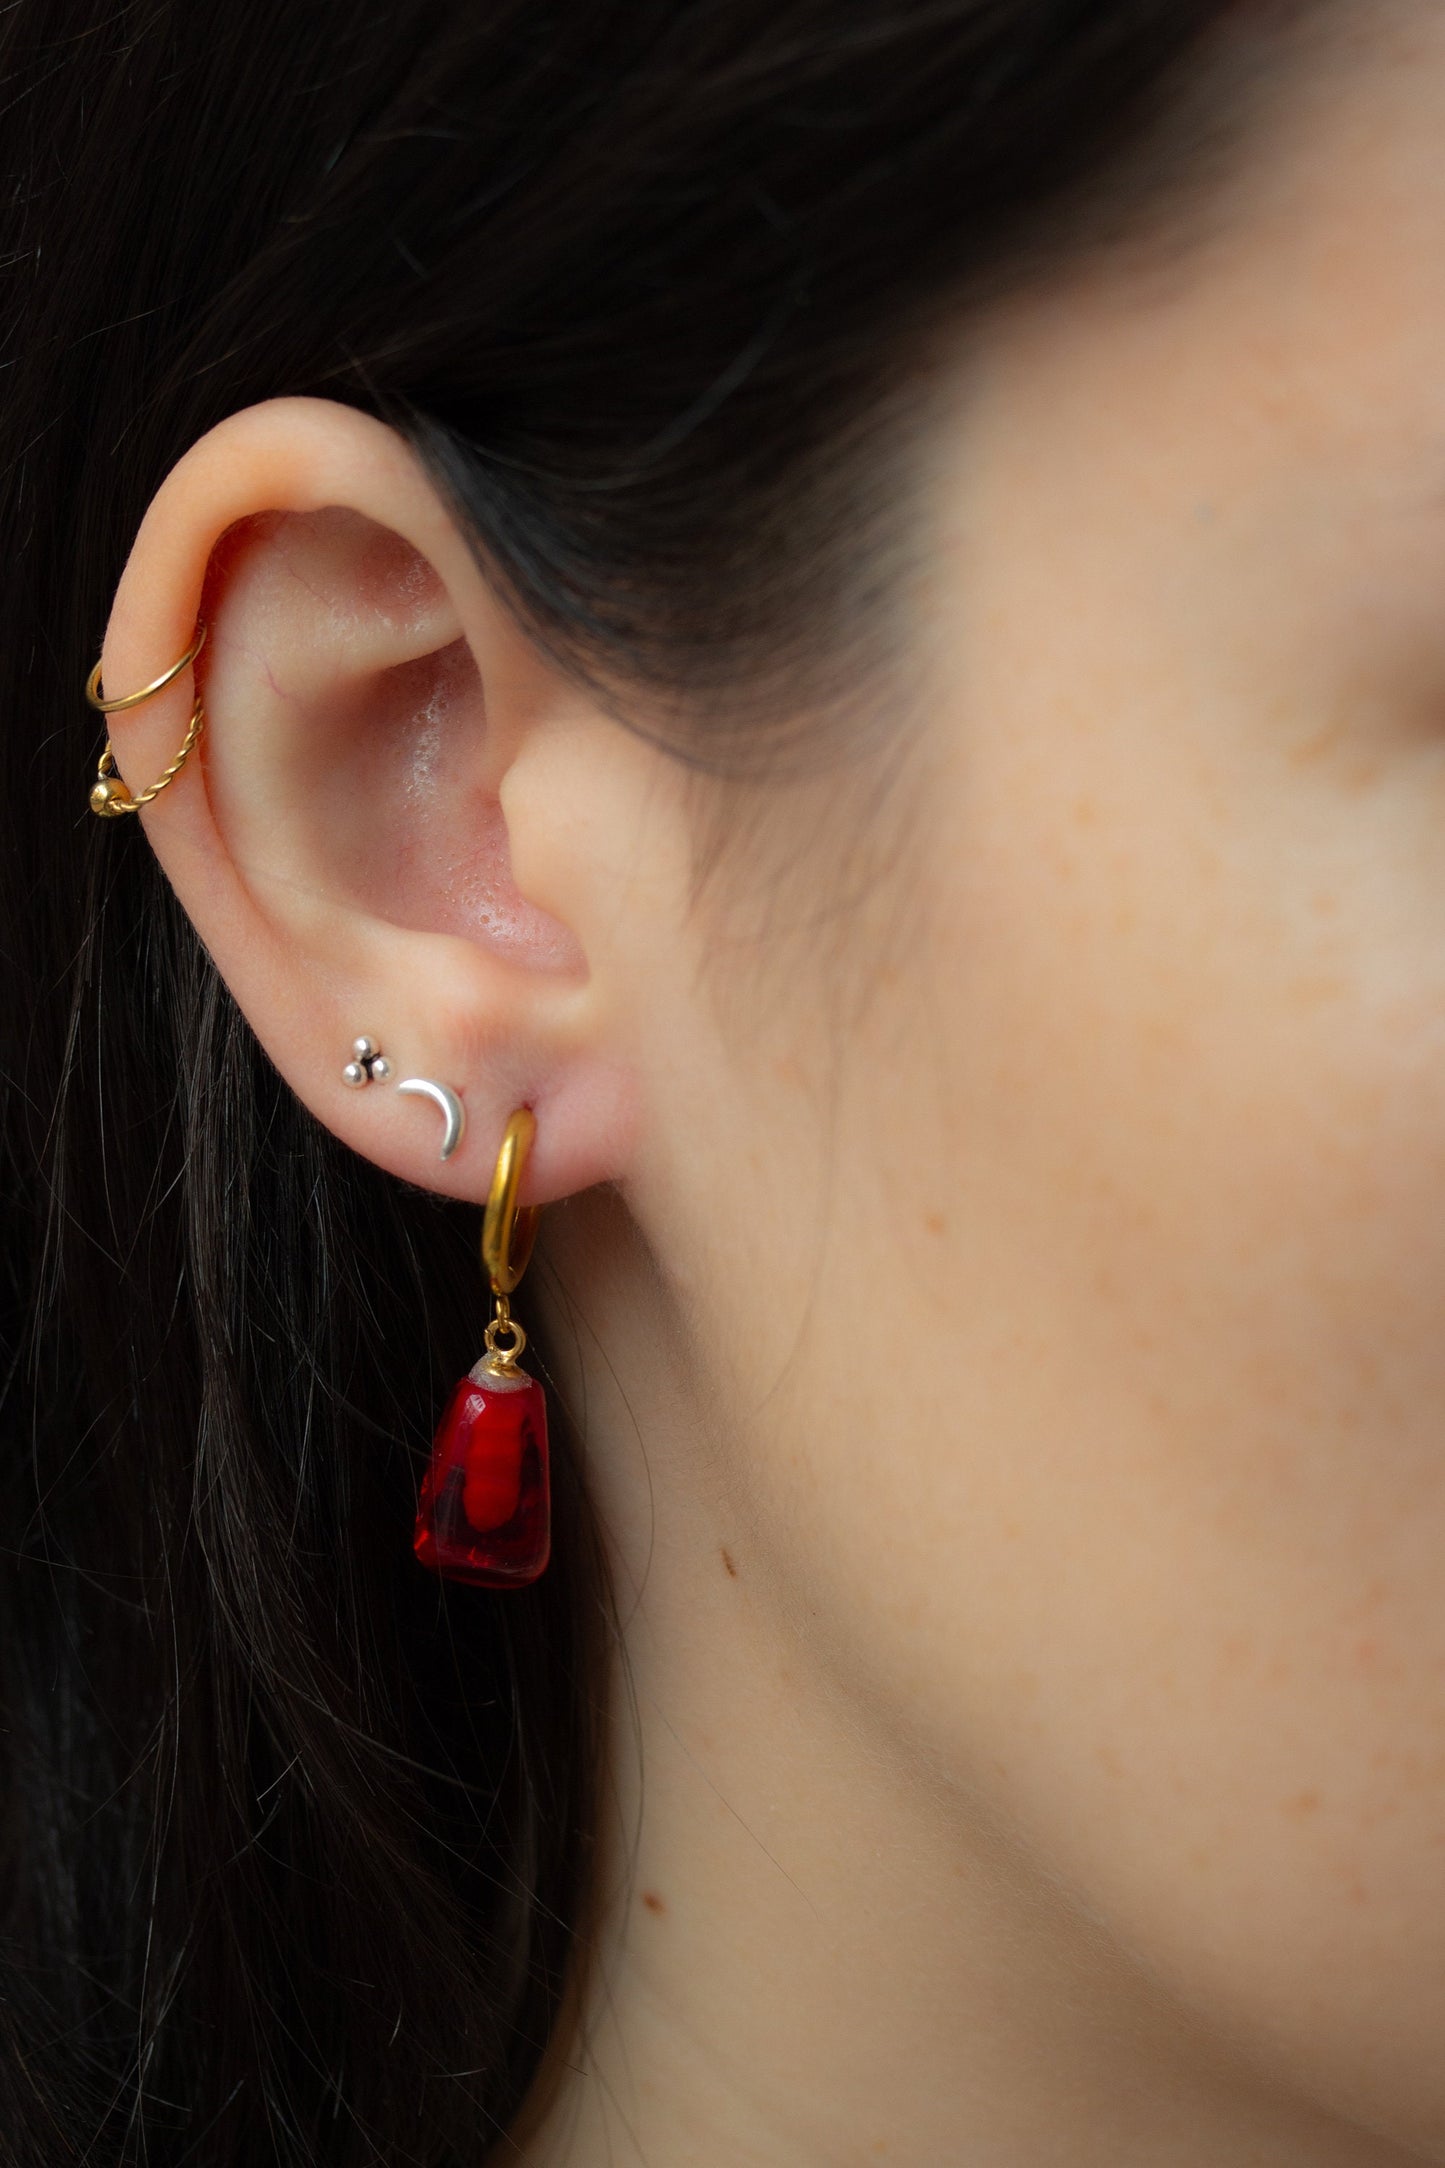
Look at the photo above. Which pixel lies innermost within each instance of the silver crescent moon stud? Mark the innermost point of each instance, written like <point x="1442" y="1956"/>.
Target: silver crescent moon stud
<point x="444" y="1097"/>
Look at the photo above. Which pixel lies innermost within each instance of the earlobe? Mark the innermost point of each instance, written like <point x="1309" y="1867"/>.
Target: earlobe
<point x="338" y="836"/>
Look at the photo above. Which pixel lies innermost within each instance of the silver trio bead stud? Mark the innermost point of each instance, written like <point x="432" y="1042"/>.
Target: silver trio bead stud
<point x="369" y="1065"/>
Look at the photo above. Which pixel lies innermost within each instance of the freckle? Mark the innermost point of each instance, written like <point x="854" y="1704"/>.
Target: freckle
<point x="1312" y="990"/>
<point x="935" y="1222"/>
<point x="1313" y="748"/>
<point x="1302" y="1805"/>
<point x="1362" y="774"/>
<point x="727" y="1559"/>
<point x="1109" y="1761"/>
<point x="653" y="1902"/>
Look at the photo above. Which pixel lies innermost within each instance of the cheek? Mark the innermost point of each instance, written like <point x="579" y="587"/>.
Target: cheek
<point x="1163" y="1548"/>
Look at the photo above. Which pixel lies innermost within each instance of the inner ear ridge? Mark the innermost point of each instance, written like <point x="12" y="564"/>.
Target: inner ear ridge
<point x="378" y="600"/>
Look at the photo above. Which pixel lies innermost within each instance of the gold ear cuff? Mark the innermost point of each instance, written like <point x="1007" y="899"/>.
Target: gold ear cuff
<point x="110" y="795"/>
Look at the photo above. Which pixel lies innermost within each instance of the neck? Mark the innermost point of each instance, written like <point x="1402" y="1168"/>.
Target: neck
<point x="812" y="1947"/>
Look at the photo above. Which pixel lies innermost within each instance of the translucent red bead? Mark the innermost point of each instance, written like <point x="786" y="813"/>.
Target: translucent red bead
<point x="484" y="1514"/>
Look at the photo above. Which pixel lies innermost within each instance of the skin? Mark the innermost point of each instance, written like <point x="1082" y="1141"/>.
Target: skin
<point x="1007" y="1298"/>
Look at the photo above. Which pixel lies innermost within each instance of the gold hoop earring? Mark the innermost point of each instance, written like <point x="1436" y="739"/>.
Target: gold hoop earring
<point x="485" y="1510"/>
<point x="507" y="1233"/>
<point x="109" y="794"/>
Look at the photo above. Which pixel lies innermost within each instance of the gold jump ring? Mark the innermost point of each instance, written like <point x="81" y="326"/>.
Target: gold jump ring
<point x="506" y="1356"/>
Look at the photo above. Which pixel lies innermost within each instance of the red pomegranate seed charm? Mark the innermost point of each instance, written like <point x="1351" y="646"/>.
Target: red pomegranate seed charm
<point x="484" y="1510"/>
<point x="484" y="1514"/>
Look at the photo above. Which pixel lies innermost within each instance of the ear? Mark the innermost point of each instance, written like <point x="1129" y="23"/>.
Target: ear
<point x="397" y="821"/>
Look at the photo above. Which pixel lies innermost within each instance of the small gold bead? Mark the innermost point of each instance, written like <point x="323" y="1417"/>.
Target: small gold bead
<point x="109" y="797"/>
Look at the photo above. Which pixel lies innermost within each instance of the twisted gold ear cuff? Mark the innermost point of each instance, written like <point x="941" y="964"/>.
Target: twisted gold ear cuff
<point x="109" y="795"/>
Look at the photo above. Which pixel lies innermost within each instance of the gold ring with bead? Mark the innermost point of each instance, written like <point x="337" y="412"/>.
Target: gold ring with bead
<point x="110" y="795"/>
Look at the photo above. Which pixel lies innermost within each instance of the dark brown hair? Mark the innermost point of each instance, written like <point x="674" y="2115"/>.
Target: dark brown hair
<point x="294" y="1841"/>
